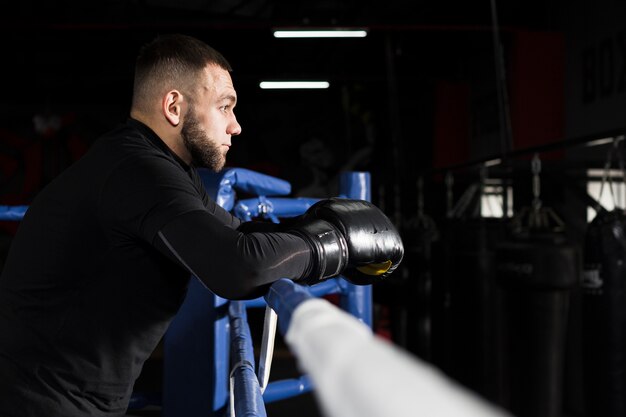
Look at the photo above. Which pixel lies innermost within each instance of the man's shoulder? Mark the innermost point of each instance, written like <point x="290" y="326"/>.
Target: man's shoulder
<point x="127" y="138"/>
<point x="126" y="144"/>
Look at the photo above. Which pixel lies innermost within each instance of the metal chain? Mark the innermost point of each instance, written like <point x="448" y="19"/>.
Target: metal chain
<point x="536" y="170"/>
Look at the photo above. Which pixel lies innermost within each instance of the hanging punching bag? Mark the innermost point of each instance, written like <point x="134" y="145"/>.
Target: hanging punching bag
<point x="411" y="307"/>
<point x="535" y="273"/>
<point x="537" y="267"/>
<point x="462" y="294"/>
<point x="604" y="315"/>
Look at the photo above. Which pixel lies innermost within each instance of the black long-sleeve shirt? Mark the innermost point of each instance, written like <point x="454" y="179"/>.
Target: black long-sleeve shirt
<point x="100" y="265"/>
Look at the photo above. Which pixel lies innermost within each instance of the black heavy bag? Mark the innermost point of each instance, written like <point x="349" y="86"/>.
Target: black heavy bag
<point x="406" y="294"/>
<point x="535" y="273"/>
<point x="604" y="310"/>
<point x="462" y="301"/>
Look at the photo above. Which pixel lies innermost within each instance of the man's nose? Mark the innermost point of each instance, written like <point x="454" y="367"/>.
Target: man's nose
<point x="234" y="128"/>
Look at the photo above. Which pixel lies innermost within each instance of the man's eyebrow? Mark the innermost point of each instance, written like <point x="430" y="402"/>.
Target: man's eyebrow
<point x="230" y="97"/>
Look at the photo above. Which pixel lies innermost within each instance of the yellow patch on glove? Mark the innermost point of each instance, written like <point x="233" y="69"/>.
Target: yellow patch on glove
<point x="375" y="269"/>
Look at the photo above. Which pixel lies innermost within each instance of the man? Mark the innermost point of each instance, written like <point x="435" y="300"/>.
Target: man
<point x="103" y="257"/>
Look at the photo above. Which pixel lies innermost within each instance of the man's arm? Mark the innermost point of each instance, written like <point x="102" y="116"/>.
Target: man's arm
<point x="148" y="197"/>
<point x="334" y="236"/>
<point x="232" y="263"/>
<point x="151" y="199"/>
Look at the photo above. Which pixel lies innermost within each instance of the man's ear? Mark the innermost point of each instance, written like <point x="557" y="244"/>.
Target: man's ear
<point x="171" y="106"/>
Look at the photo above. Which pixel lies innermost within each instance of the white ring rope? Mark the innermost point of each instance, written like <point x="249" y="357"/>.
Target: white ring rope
<point x="357" y="374"/>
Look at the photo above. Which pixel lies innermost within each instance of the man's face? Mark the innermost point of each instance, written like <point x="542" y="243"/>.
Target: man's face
<point x="210" y="121"/>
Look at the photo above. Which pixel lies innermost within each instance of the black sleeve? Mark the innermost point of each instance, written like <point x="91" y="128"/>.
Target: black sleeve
<point x="259" y="226"/>
<point x="231" y="263"/>
<point x="153" y="199"/>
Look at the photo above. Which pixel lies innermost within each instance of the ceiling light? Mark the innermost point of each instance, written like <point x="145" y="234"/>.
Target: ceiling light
<point x="269" y="85"/>
<point x="320" y="33"/>
<point x="493" y="162"/>
<point x="603" y="141"/>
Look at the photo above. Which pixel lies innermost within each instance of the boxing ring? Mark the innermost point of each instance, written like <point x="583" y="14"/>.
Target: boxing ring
<point x="198" y="365"/>
<point x="209" y="362"/>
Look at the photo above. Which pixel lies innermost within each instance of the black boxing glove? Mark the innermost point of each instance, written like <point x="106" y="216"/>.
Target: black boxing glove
<point x="329" y="248"/>
<point x="349" y="237"/>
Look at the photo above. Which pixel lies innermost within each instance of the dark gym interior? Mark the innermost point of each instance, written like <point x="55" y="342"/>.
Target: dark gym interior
<point x="493" y="132"/>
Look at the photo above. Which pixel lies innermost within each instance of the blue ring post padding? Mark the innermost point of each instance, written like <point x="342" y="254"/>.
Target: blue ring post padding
<point x="356" y="299"/>
<point x="283" y="297"/>
<point x="196" y="356"/>
<point x="246" y="385"/>
<point x="330" y="286"/>
<point x="222" y="185"/>
<point x="356" y="185"/>
<point x="12" y="213"/>
<point x="201" y="338"/>
<point x="196" y="345"/>
<point x="287" y="388"/>
<point x="248" y="208"/>
<point x="260" y="184"/>
<point x="221" y="366"/>
<point x="255" y="303"/>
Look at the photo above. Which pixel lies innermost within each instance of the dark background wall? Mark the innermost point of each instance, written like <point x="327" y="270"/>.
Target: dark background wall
<point x="425" y="67"/>
<point x="418" y="97"/>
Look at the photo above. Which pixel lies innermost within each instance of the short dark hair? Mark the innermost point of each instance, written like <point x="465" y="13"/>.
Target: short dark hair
<point x="171" y="61"/>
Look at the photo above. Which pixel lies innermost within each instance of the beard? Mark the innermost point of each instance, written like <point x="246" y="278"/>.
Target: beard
<point x="203" y="150"/>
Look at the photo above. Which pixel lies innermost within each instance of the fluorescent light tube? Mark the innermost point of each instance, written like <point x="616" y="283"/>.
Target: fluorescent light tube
<point x="321" y="33"/>
<point x="269" y="85"/>
<point x="602" y="141"/>
<point x="493" y="162"/>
